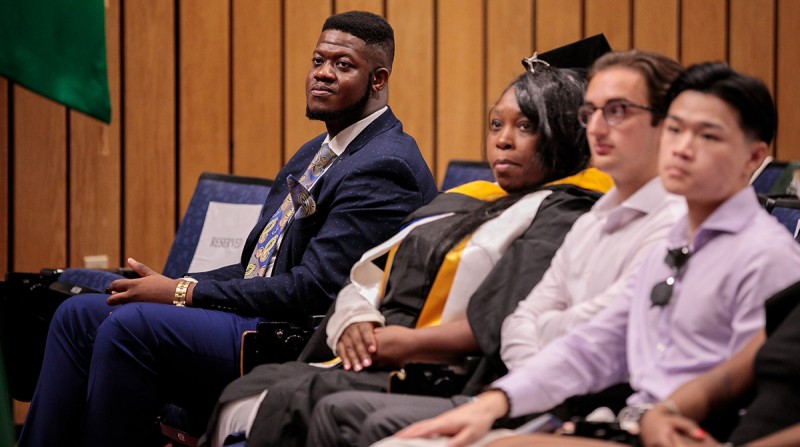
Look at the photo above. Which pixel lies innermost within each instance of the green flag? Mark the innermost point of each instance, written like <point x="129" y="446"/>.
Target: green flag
<point x="57" y="48"/>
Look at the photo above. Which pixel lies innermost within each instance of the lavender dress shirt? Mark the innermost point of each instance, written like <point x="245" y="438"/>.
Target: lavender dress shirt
<point x="740" y="256"/>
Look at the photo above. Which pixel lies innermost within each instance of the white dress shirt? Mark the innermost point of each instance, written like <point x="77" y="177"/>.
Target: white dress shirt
<point x="588" y="271"/>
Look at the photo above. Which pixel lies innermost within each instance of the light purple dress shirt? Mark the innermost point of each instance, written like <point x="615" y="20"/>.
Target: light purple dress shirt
<point x="740" y="256"/>
<point x="590" y="269"/>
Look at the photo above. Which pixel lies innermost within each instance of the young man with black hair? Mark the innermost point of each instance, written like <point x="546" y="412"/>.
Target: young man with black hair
<point x="112" y="361"/>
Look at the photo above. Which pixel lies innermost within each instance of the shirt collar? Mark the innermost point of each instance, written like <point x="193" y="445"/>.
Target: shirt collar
<point x="343" y="139"/>
<point x="618" y="214"/>
<point x="730" y="217"/>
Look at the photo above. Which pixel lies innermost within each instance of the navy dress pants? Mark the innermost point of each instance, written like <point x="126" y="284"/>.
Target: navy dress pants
<point x="108" y="370"/>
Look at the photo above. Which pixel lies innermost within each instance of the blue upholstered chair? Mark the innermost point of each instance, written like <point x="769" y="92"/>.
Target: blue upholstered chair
<point x="212" y="190"/>
<point x="787" y="211"/>
<point x="29" y="300"/>
<point x="461" y="171"/>
<point x="768" y="176"/>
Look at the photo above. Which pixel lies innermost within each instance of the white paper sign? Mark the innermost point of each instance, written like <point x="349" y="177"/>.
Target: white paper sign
<point x="224" y="233"/>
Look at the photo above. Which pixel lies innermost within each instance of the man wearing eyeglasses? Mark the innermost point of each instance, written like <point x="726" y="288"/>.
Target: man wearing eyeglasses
<point x="697" y="297"/>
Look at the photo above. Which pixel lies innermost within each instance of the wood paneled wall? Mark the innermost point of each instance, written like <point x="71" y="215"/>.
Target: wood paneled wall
<point x="217" y="86"/>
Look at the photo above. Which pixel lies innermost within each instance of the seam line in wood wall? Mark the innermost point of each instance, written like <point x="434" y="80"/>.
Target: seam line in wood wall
<point x="68" y="181"/>
<point x="582" y="16"/>
<point x="775" y="68"/>
<point x="435" y="142"/>
<point x="679" y="34"/>
<point x="10" y="193"/>
<point x="532" y="40"/>
<point x="728" y="31"/>
<point x="122" y="127"/>
<point x="282" y="113"/>
<point x="485" y="58"/>
<point x="231" y="46"/>
<point x="631" y="20"/>
<point x="176" y="5"/>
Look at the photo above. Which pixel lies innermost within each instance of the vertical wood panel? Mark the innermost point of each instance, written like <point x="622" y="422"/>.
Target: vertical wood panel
<point x="4" y="175"/>
<point x="40" y="182"/>
<point x="509" y="38"/>
<point x="303" y="24"/>
<point x="411" y="85"/>
<point x="446" y="80"/>
<point x="257" y="88"/>
<point x="752" y="52"/>
<point x="558" y="22"/>
<point x="704" y="31"/>
<point x="95" y="196"/>
<point x="611" y="17"/>
<point x="204" y="92"/>
<point x="788" y="83"/>
<point x="20" y="411"/>
<point x="655" y="26"/>
<point x="373" y="6"/>
<point x="149" y="139"/>
<point x="460" y="105"/>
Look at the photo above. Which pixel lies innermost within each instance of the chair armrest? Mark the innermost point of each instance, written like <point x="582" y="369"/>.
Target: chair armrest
<point x="433" y="379"/>
<point x="275" y="342"/>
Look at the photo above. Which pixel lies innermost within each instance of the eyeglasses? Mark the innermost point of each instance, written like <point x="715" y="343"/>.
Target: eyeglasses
<point x="614" y="112"/>
<point x="676" y="260"/>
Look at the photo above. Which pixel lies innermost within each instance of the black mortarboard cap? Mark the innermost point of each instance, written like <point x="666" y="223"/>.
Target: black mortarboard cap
<point x="580" y="54"/>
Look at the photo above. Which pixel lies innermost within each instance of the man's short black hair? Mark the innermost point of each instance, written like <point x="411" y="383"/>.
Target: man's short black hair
<point x="373" y="29"/>
<point x="746" y="94"/>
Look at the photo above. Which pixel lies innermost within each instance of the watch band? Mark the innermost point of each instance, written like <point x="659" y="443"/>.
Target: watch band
<point x="180" y="293"/>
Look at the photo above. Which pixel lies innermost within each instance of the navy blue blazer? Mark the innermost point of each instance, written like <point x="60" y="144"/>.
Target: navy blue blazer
<point x="361" y="200"/>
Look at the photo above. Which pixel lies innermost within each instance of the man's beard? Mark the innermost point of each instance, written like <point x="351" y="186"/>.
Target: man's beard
<point x="334" y="115"/>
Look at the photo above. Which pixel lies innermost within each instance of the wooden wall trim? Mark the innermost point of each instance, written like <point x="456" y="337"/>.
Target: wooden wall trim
<point x="204" y="93"/>
<point x="787" y="82"/>
<point x="95" y="195"/>
<point x="150" y="129"/>
<point x="414" y="71"/>
<point x="40" y="182"/>
<point x="460" y="101"/>
<point x="5" y="172"/>
<point x="303" y="22"/>
<point x="219" y="86"/>
<point x="704" y="31"/>
<point x="257" y="78"/>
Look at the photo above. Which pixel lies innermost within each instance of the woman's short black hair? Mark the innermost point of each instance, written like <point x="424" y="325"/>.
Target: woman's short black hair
<point x="550" y="98"/>
<point x="746" y="94"/>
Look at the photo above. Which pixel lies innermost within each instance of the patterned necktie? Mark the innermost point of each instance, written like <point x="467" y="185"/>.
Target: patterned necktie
<point x="298" y="194"/>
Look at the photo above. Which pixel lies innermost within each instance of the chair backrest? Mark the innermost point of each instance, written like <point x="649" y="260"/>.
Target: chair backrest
<point x="462" y="171"/>
<point x="762" y="184"/>
<point x="768" y="176"/>
<point x="222" y="211"/>
<point x="787" y="211"/>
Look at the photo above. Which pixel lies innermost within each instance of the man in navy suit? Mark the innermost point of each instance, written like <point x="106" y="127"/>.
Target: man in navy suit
<point x="112" y="361"/>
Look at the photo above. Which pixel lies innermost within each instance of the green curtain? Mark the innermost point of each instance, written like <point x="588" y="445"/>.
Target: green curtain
<point x="57" y="48"/>
<point x="6" y="419"/>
